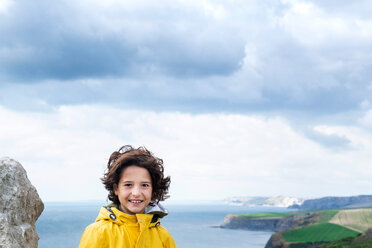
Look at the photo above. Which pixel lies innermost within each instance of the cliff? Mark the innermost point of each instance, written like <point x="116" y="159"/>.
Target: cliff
<point x="273" y="224"/>
<point x="20" y="207"/>
<point x="361" y="201"/>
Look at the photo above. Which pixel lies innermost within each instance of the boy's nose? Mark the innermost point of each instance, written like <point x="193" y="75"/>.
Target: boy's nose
<point x="136" y="191"/>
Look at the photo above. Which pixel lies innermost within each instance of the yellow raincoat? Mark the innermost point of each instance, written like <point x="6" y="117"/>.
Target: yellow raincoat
<point x="115" y="229"/>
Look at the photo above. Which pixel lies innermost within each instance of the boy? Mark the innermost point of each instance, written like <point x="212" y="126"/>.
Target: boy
<point x="136" y="184"/>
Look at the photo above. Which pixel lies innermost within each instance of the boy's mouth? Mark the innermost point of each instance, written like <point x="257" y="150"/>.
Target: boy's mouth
<point x="135" y="201"/>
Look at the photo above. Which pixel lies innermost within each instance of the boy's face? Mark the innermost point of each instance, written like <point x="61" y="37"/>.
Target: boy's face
<point x="134" y="190"/>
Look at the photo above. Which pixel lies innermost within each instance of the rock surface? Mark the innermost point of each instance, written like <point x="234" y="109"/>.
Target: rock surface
<point x="368" y="233"/>
<point x="276" y="241"/>
<point x="20" y="206"/>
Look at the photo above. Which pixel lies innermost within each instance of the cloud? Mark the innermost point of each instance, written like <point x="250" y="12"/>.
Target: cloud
<point x="65" y="152"/>
<point x="191" y="56"/>
<point x="366" y="119"/>
<point x="312" y="25"/>
<point x="325" y="136"/>
<point x="188" y="56"/>
<point x="239" y="98"/>
<point x="5" y="5"/>
<point x="89" y="40"/>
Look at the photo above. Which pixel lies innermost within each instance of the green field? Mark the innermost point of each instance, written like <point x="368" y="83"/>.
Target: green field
<point x="340" y="228"/>
<point x="264" y="215"/>
<point x="324" y="232"/>
<point x="326" y="215"/>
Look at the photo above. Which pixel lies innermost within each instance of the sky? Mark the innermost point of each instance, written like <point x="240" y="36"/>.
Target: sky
<point x="238" y="97"/>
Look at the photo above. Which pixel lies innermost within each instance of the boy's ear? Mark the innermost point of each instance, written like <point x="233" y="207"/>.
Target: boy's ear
<point x="115" y="189"/>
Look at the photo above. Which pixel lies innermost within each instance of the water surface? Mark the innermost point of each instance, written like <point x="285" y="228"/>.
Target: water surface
<point x="62" y="224"/>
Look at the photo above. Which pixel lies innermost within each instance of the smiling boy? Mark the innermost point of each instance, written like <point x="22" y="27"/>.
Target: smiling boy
<point x="134" y="190"/>
<point x="136" y="184"/>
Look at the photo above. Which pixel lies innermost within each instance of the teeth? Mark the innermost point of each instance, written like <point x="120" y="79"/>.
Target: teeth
<point x="136" y="201"/>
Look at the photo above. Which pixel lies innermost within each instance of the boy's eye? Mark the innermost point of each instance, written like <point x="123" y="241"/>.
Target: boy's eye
<point x="146" y="185"/>
<point x="127" y="185"/>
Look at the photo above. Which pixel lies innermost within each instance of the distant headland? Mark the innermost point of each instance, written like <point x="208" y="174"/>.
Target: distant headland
<point x="262" y="201"/>
<point x="323" y="222"/>
<point x="360" y="201"/>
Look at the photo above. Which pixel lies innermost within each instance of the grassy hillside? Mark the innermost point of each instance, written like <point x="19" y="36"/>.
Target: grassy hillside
<point x="341" y="228"/>
<point x="324" y="232"/>
<point x="362" y="241"/>
<point x="326" y="215"/>
<point x="337" y="226"/>
<point x="349" y="243"/>
<point x="356" y="219"/>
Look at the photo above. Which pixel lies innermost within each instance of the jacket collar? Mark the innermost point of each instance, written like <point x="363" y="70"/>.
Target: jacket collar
<point x="150" y="218"/>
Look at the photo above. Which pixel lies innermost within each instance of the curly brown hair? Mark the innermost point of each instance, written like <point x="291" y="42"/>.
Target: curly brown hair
<point x="141" y="157"/>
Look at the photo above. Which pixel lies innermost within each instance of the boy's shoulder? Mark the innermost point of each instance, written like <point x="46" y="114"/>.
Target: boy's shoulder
<point x="163" y="231"/>
<point x="99" y="226"/>
<point x="166" y="237"/>
<point x="102" y="221"/>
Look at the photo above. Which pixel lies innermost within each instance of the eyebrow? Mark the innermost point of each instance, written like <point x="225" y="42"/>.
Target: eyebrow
<point x="140" y="182"/>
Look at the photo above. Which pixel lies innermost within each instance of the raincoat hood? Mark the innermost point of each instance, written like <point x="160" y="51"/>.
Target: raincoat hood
<point x="157" y="209"/>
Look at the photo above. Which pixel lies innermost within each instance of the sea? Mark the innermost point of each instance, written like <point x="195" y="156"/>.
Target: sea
<point x="191" y="225"/>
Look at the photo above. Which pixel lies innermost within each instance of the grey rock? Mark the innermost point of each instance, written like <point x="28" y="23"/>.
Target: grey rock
<point x="275" y="241"/>
<point x="368" y="233"/>
<point x="20" y="206"/>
